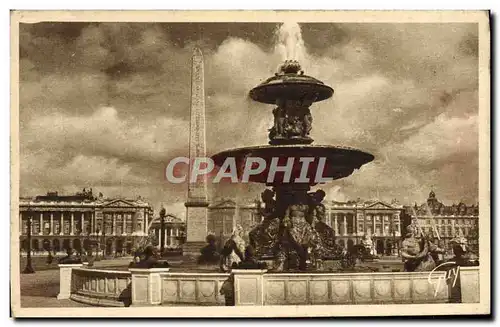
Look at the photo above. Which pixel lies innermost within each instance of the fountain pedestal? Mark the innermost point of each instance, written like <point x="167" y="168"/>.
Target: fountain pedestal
<point x="294" y="232"/>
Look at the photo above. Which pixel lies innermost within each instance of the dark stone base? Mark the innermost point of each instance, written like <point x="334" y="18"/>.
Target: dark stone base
<point x="291" y="140"/>
<point x="192" y="249"/>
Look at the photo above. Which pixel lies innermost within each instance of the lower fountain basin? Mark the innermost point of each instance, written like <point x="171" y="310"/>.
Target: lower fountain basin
<point x="339" y="162"/>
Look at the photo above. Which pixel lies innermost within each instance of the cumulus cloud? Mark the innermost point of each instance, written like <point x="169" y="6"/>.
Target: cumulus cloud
<point x="110" y="103"/>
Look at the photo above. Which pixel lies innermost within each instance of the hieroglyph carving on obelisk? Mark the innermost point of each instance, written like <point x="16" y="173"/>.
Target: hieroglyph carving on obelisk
<point x="197" y="201"/>
<point x="197" y="139"/>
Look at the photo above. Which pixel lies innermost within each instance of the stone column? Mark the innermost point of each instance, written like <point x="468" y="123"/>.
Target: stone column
<point x="41" y="224"/>
<point x="374" y="224"/>
<point x="124" y="224"/>
<point x="51" y="223"/>
<point x="65" y="272"/>
<point x="61" y="223"/>
<point x="345" y="224"/>
<point x="114" y="223"/>
<point x="82" y="221"/>
<point x="383" y="225"/>
<point x="72" y="226"/>
<point x="92" y="224"/>
<point x="146" y="224"/>
<point x="398" y="226"/>
<point x="335" y="224"/>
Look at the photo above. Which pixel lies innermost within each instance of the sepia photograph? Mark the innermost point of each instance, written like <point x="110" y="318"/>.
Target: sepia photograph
<point x="242" y="163"/>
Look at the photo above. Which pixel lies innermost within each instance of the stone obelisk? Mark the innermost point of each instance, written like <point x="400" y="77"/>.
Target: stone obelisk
<point x="197" y="200"/>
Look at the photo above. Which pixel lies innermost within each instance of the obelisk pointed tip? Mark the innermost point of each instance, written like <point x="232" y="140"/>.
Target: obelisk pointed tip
<point x="197" y="52"/>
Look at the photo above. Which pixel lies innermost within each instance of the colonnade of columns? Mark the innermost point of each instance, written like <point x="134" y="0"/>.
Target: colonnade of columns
<point x="170" y="237"/>
<point x="81" y="222"/>
<point x="380" y="224"/>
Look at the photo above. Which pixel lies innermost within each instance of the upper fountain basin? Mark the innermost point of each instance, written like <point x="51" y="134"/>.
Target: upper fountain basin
<point x="290" y="86"/>
<point x="339" y="161"/>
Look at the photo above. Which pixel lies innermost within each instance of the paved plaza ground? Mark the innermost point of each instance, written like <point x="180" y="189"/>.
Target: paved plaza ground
<point x="40" y="289"/>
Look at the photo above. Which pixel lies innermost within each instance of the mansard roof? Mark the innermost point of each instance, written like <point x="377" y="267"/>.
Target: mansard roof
<point x="84" y="199"/>
<point x="434" y="207"/>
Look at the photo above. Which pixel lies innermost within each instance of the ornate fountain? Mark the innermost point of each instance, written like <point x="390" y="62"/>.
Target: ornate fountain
<point x="293" y="232"/>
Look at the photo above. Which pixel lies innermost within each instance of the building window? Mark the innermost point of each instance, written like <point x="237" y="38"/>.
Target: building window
<point x="350" y="224"/>
<point x="36" y="226"/>
<point x="25" y="227"/>
<point x="66" y="227"/>
<point x="128" y="223"/>
<point x="361" y="227"/>
<point x="46" y="227"/>
<point x="228" y="224"/>
<point x="119" y="225"/>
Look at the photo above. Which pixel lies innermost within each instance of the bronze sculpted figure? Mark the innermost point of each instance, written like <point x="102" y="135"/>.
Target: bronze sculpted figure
<point x="264" y="236"/>
<point x="279" y="121"/>
<point x="234" y="250"/>
<point x="317" y="220"/>
<point x="292" y="120"/>
<point x="415" y="251"/>
<point x="301" y="234"/>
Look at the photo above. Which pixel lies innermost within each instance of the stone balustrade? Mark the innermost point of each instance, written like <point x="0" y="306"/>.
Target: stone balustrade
<point x="101" y="287"/>
<point x="194" y="288"/>
<point x="361" y="288"/>
<point x="159" y="286"/>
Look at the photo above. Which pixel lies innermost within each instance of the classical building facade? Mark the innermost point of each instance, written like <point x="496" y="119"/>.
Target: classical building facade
<point x="174" y="233"/>
<point x="446" y="221"/>
<point x="351" y="221"/>
<point x="79" y="221"/>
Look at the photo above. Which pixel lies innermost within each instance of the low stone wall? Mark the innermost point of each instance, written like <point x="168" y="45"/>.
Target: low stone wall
<point x="159" y="286"/>
<point x="101" y="287"/>
<point x="360" y="288"/>
<point x="194" y="288"/>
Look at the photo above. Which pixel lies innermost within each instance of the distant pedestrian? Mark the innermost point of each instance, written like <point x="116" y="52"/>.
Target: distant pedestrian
<point x="50" y="258"/>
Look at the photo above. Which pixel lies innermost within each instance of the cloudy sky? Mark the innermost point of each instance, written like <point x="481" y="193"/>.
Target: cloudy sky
<point x="107" y="105"/>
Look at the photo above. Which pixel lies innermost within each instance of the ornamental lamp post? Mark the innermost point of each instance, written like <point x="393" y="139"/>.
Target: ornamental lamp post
<point x="162" y="230"/>
<point x="29" y="268"/>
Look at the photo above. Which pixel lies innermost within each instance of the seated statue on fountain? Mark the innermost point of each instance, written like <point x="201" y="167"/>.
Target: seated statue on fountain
<point x="150" y="258"/>
<point x="368" y="243"/>
<point x="70" y="258"/>
<point x="292" y="122"/>
<point x="415" y="251"/>
<point x="263" y="237"/>
<point x="278" y="130"/>
<point x="234" y="250"/>
<point x="462" y="255"/>
<point x="209" y="254"/>
<point x="317" y="220"/>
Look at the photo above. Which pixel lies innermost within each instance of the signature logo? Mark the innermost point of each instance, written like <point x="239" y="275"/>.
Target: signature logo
<point x="451" y="274"/>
